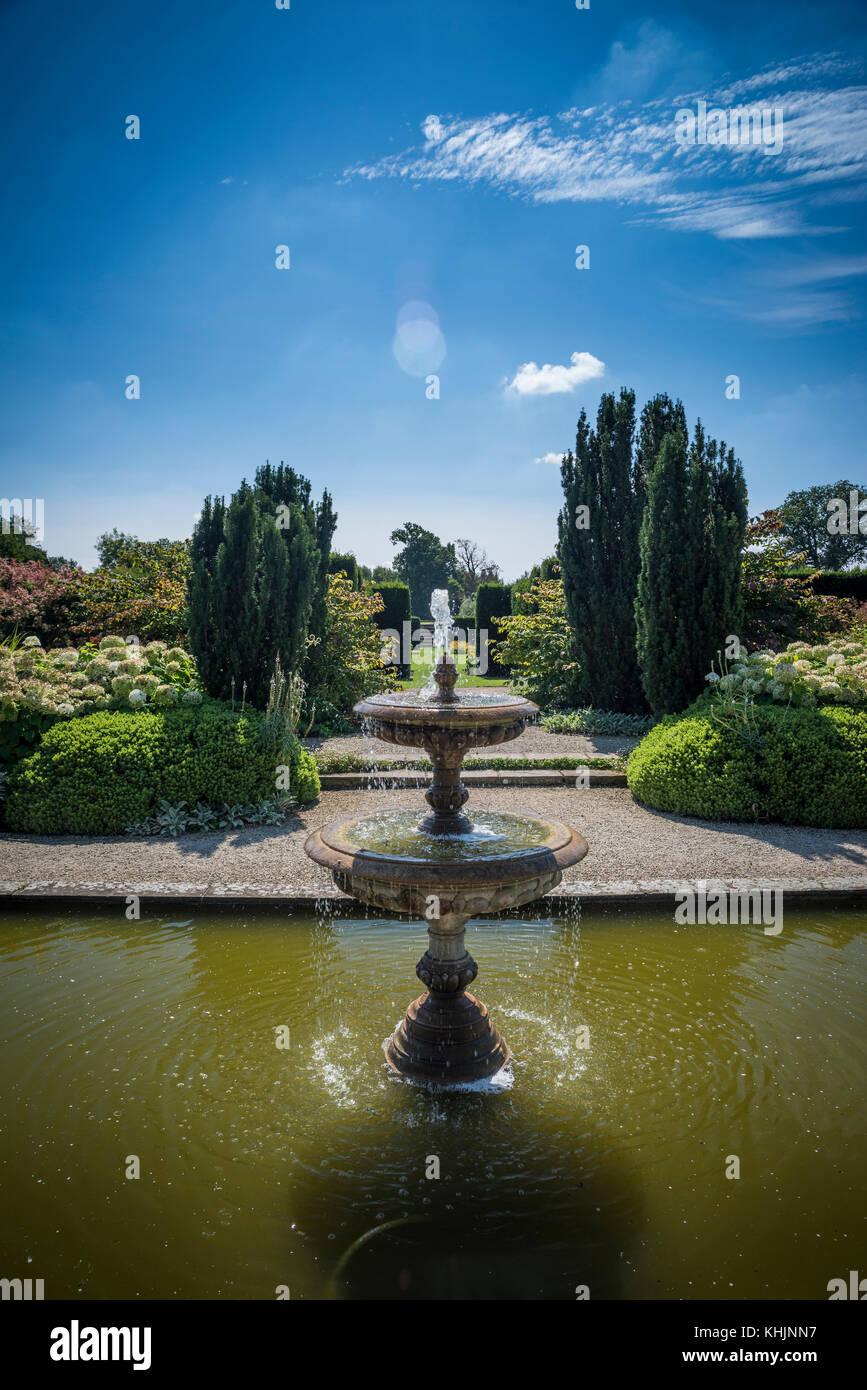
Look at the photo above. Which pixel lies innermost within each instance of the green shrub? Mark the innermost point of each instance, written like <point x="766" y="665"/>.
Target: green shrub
<point x="796" y="766"/>
<point x="538" y="647"/>
<point x="597" y="721"/>
<point x="102" y="772"/>
<point x="304" y="775"/>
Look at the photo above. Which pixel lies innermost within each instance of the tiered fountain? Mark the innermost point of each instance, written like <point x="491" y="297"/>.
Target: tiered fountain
<point x="446" y="867"/>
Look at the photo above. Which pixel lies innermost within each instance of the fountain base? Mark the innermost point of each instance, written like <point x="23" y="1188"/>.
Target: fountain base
<point x="446" y="1041"/>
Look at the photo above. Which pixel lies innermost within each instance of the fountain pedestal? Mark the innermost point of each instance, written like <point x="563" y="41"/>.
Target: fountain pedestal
<point x="447" y="1034"/>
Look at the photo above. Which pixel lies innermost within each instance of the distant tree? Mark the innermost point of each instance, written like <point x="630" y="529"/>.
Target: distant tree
<point x="17" y="540"/>
<point x="112" y="546"/>
<point x="804" y="519"/>
<point x="424" y="563"/>
<point x="473" y="566"/>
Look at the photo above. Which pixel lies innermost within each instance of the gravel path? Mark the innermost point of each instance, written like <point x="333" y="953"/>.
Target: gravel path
<point x="627" y="844"/>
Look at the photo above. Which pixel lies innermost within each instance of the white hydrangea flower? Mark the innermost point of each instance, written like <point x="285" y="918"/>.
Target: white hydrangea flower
<point x="137" y="697"/>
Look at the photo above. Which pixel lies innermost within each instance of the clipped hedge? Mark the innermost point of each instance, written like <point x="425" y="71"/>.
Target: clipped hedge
<point x="98" y="774"/>
<point x="837" y="583"/>
<point x="795" y="766"/>
<point x="345" y="564"/>
<point x="396" y="612"/>
<point x="492" y="601"/>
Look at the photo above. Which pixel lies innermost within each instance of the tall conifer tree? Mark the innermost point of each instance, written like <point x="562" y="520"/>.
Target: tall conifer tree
<point x="598" y="551"/>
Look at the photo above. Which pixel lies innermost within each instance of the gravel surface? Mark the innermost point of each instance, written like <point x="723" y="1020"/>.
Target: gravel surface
<point x="627" y="843"/>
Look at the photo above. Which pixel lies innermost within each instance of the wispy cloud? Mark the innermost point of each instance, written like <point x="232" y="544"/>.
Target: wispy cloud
<point x="627" y="153"/>
<point x="550" y="458"/>
<point x="550" y="380"/>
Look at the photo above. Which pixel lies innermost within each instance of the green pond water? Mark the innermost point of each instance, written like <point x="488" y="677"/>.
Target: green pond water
<point x="306" y="1167"/>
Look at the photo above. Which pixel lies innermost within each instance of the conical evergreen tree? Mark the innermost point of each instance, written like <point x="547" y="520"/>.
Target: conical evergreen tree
<point x="660" y="416"/>
<point x="665" y="602"/>
<point x="206" y="539"/>
<point x="598" y="551"/>
<point x="692" y="536"/>
<point x="257" y="574"/>
<point x="234" y="607"/>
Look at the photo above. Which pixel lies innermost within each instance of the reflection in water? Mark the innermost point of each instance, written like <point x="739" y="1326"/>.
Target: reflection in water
<point x="307" y="1166"/>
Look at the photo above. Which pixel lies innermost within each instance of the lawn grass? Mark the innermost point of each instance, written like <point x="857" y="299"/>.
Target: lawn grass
<point x="422" y="665"/>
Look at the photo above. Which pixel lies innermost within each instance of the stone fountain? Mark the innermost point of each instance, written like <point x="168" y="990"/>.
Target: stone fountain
<point x="446" y="867"/>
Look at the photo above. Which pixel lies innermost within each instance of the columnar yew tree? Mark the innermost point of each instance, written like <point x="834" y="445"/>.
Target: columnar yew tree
<point x="258" y="581"/>
<point x="692" y="534"/>
<point x="599" y="527"/>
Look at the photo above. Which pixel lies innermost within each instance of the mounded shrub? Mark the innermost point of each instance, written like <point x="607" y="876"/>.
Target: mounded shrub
<point x="795" y="766"/>
<point x="304" y="775"/>
<point x="102" y="772"/>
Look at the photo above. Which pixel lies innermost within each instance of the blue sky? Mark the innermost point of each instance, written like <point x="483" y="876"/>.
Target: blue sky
<point x="310" y="128"/>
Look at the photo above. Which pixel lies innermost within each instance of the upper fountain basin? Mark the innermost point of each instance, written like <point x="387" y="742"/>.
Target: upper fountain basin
<point x="475" y="718"/>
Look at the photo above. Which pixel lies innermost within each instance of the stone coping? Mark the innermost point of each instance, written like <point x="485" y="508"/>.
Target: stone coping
<point x="640" y="893"/>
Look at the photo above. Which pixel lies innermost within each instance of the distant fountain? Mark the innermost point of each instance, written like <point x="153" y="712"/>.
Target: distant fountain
<point x="446" y="867"/>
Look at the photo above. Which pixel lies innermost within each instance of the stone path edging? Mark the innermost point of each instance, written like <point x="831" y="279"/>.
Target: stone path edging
<point x="640" y="893"/>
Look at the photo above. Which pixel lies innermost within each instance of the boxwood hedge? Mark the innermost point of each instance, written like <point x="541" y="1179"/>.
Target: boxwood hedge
<point x="100" y="773"/>
<point x="795" y="766"/>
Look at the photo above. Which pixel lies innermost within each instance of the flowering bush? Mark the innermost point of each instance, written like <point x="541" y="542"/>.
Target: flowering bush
<point x="36" y="598"/>
<point x="833" y="672"/>
<point x="63" y="682"/>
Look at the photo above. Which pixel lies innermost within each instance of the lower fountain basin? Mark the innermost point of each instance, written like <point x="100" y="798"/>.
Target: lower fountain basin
<point x="505" y="861"/>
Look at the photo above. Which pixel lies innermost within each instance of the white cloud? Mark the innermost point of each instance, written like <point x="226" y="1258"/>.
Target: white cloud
<point x="625" y="152"/>
<point x="550" y="458"/>
<point x="551" y="380"/>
